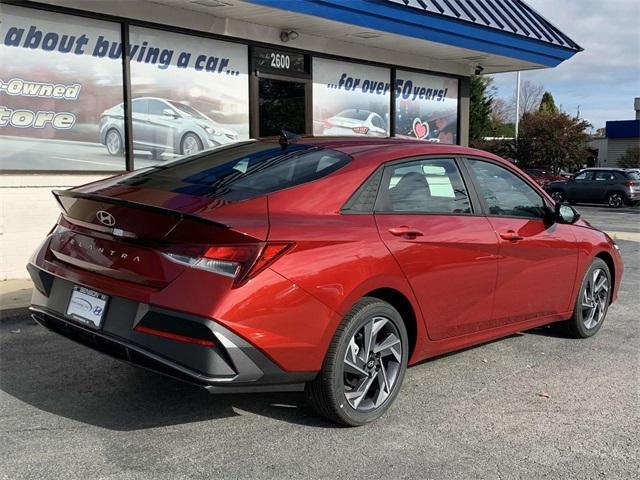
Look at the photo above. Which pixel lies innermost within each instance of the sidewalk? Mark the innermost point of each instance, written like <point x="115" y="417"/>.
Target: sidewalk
<point x="15" y="294"/>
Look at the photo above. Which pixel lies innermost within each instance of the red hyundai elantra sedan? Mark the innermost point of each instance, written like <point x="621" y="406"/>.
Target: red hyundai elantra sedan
<point x="320" y="264"/>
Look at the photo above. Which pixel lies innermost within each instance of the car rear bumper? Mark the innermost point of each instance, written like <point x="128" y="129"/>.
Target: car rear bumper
<point x="229" y="365"/>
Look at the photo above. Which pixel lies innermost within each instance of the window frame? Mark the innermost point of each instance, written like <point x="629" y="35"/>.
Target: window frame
<point x="482" y="202"/>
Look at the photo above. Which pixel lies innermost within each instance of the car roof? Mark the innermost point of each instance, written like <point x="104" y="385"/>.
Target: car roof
<point x="400" y="147"/>
<point x="604" y="169"/>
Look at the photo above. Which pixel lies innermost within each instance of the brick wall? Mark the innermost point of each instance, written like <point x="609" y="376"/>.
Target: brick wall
<point x="27" y="213"/>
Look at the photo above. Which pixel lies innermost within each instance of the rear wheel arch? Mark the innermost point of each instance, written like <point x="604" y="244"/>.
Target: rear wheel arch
<point x="402" y="304"/>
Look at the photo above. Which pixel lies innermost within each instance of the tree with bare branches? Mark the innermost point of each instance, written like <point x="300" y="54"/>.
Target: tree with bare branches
<point x="530" y="98"/>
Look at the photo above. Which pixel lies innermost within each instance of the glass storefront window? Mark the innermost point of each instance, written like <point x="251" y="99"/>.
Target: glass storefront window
<point x="188" y="94"/>
<point x="59" y="76"/>
<point x="350" y="99"/>
<point x="426" y="107"/>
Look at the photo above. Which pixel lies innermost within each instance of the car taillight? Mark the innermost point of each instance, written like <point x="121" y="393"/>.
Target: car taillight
<point x="631" y="184"/>
<point x="361" y="130"/>
<point x="239" y="262"/>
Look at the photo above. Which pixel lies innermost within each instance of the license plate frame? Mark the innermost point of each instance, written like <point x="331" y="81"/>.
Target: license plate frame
<point x="87" y="306"/>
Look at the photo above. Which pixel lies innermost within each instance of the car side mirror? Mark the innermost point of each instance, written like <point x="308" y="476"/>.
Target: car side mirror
<point x="565" y="213"/>
<point x="167" y="112"/>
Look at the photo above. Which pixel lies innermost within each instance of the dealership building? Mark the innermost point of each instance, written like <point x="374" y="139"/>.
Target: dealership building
<point x="93" y="88"/>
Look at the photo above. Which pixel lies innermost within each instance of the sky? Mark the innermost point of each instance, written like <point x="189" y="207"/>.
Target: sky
<point x="603" y="79"/>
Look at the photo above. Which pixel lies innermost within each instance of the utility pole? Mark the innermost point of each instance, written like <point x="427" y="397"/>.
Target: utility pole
<point x="517" y="103"/>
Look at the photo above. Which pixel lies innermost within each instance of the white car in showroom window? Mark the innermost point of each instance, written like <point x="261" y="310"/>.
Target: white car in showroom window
<point x="355" y="122"/>
<point x="160" y="126"/>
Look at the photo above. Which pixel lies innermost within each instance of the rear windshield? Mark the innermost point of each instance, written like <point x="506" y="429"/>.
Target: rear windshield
<point x="242" y="171"/>
<point x="633" y="175"/>
<point x="355" y="114"/>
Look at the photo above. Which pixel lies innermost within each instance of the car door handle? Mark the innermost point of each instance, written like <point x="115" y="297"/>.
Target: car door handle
<point x="511" y="236"/>
<point x="406" y="232"/>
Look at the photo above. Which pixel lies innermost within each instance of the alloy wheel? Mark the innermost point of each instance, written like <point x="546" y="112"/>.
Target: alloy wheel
<point x="372" y="364"/>
<point x="113" y="142"/>
<point x="594" y="298"/>
<point x="190" y="145"/>
<point x="615" y="200"/>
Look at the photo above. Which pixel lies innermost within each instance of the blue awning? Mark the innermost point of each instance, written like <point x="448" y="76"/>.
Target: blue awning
<point x="509" y="28"/>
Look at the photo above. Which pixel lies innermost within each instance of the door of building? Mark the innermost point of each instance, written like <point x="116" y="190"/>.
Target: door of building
<point x="281" y="90"/>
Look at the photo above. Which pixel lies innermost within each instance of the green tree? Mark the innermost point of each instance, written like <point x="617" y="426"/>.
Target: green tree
<point x="548" y="105"/>
<point x="481" y="99"/>
<point x="552" y="141"/>
<point x="631" y="158"/>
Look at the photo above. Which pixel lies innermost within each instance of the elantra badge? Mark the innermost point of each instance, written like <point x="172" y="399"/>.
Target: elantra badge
<point x="105" y="218"/>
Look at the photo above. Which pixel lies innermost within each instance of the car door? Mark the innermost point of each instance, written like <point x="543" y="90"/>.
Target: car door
<point x="163" y="125"/>
<point x="579" y="188"/>
<point x="538" y="257"/>
<point x="445" y="248"/>
<point x="142" y="133"/>
<point x="603" y="182"/>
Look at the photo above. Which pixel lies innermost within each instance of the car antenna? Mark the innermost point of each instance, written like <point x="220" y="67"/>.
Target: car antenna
<point x="287" y="138"/>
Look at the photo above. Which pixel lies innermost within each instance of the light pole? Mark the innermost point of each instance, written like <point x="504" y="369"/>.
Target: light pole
<point x="517" y="103"/>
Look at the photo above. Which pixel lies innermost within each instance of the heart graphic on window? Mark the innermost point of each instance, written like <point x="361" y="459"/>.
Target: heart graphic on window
<point x="420" y="129"/>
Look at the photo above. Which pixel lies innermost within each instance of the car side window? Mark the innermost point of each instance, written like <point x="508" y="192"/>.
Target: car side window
<point x="583" y="176"/>
<point x="140" y="106"/>
<point x="156" y="107"/>
<point x="505" y="193"/>
<point x="423" y="186"/>
<point x="604" y="176"/>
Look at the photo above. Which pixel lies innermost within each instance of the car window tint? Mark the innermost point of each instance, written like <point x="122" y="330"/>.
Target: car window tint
<point x="140" y="106"/>
<point x="583" y="176"/>
<point x="505" y="193"/>
<point x="604" y="176"/>
<point x="242" y="171"/>
<point x="156" y="107"/>
<point x="425" y="186"/>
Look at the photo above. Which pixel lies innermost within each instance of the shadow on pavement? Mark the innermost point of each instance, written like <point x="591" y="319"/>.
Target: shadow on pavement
<point x="55" y="375"/>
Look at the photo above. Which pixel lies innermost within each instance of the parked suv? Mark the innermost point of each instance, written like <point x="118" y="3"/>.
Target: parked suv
<point x="161" y="125"/>
<point x="613" y="186"/>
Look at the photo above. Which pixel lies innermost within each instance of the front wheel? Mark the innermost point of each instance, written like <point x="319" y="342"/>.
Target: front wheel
<point x="592" y="302"/>
<point x="364" y="367"/>
<point x="615" y="200"/>
<point x="190" y="144"/>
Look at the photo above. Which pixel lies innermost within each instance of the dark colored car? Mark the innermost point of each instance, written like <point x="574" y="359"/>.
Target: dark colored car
<point x="542" y="177"/>
<point x="613" y="186"/>
<point x="324" y="264"/>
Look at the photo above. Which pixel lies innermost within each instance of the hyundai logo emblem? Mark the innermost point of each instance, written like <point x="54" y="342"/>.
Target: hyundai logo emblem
<point x="105" y="218"/>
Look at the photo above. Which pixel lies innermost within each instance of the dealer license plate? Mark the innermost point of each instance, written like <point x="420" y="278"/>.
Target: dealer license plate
<point x="87" y="306"/>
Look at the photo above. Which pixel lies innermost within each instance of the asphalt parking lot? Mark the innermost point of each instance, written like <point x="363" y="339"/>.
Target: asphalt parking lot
<point x="533" y="405"/>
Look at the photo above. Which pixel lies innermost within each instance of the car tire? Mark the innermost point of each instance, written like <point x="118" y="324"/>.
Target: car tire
<point x="615" y="199"/>
<point x="113" y="142"/>
<point x="354" y="388"/>
<point x="592" y="302"/>
<point x="557" y="195"/>
<point x="190" y="144"/>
